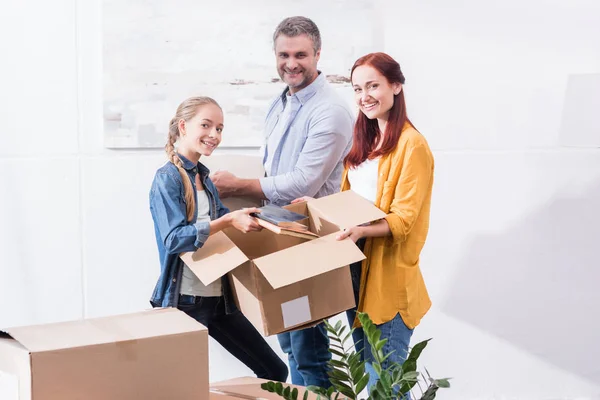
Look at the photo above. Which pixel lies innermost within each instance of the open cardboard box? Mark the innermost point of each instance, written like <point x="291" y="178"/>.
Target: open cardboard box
<point x="285" y="283"/>
<point x="249" y="389"/>
<point x="155" y="354"/>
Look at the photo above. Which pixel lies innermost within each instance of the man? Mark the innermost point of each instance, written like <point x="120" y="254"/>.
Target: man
<point x="308" y="133"/>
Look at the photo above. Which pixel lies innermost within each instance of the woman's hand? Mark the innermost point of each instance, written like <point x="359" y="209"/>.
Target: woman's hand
<point x="354" y="233"/>
<point x="243" y="222"/>
<point x="302" y="199"/>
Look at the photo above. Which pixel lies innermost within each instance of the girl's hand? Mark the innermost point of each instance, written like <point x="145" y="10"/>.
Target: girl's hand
<point x="302" y="199"/>
<point x="243" y="222"/>
<point x="353" y="233"/>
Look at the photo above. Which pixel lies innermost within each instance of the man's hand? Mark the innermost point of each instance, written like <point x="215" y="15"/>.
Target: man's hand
<point x="226" y="183"/>
<point x="302" y="199"/>
<point x="353" y="233"/>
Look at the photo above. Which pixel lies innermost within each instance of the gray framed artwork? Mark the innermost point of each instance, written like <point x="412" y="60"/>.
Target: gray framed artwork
<point x="157" y="53"/>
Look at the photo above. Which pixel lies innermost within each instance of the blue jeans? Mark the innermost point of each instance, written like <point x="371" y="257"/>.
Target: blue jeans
<point x="308" y="354"/>
<point x="395" y="331"/>
<point x="398" y="336"/>
<point x="236" y="334"/>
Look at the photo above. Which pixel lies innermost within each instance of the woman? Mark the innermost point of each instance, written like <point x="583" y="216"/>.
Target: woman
<point x="390" y="163"/>
<point x="186" y="210"/>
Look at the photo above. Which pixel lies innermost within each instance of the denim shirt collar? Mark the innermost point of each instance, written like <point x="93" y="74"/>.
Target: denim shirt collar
<point x="194" y="168"/>
<point x="305" y="94"/>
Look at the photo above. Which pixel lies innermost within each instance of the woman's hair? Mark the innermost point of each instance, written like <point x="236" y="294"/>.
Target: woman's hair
<point x="366" y="131"/>
<point x="186" y="111"/>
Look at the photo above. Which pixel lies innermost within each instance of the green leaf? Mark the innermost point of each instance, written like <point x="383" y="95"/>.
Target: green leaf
<point x="279" y="388"/>
<point x="268" y="386"/>
<point x="287" y="391"/>
<point x="343" y="390"/>
<point x="337" y="352"/>
<point x="348" y="336"/>
<point x="409" y="365"/>
<point x="362" y="383"/>
<point x="377" y="367"/>
<point x="347" y="392"/>
<point x="383" y="358"/>
<point x="417" y="349"/>
<point x="374" y="394"/>
<point x="294" y="394"/>
<point x="335" y="339"/>
<point x="317" y="390"/>
<point x="353" y="361"/>
<point x="338" y="374"/>
<point x="376" y="335"/>
<point x="443" y="383"/>
<point x="357" y="372"/>
<point x="406" y="386"/>
<point x="379" y="345"/>
<point x="338" y="363"/>
<point x="337" y="346"/>
<point x="396" y="375"/>
<point x="385" y="379"/>
<point x="430" y="392"/>
<point x="338" y="325"/>
<point x="384" y="391"/>
<point x="410" y="376"/>
<point x="339" y="384"/>
<point x="306" y="392"/>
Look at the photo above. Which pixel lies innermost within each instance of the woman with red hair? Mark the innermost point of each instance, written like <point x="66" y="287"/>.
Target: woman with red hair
<point x="390" y="164"/>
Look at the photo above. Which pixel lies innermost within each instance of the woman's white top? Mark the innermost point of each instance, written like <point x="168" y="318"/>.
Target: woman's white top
<point x="363" y="179"/>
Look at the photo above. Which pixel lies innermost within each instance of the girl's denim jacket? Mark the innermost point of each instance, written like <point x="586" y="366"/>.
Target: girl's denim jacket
<point x="174" y="234"/>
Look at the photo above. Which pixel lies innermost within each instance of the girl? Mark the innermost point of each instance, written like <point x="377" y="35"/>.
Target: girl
<point x="186" y="210"/>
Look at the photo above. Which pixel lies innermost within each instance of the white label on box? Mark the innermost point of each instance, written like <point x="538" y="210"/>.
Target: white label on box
<point x="295" y="312"/>
<point x="9" y="386"/>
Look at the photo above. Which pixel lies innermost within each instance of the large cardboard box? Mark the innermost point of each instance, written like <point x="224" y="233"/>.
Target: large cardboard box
<point x="248" y="389"/>
<point x="155" y="354"/>
<point x="284" y="283"/>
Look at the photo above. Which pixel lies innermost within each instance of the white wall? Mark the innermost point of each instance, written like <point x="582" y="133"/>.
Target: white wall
<point x="511" y="258"/>
<point x="510" y="261"/>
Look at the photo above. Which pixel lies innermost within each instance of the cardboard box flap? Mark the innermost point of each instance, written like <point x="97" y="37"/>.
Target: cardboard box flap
<point x="218" y="256"/>
<point x="346" y="209"/>
<point x="63" y="335"/>
<point x="307" y="260"/>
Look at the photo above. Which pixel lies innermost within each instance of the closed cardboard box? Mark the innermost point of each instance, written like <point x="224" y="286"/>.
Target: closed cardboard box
<point x="155" y="354"/>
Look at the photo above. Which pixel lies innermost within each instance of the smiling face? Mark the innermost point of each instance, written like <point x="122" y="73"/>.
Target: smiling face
<point x="201" y="134"/>
<point x="373" y="93"/>
<point x="296" y="61"/>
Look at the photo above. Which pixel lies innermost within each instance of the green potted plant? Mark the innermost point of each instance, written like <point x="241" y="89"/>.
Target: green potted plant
<point x="348" y="376"/>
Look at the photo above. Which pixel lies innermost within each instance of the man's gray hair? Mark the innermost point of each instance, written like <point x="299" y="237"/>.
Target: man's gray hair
<point x="295" y="26"/>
